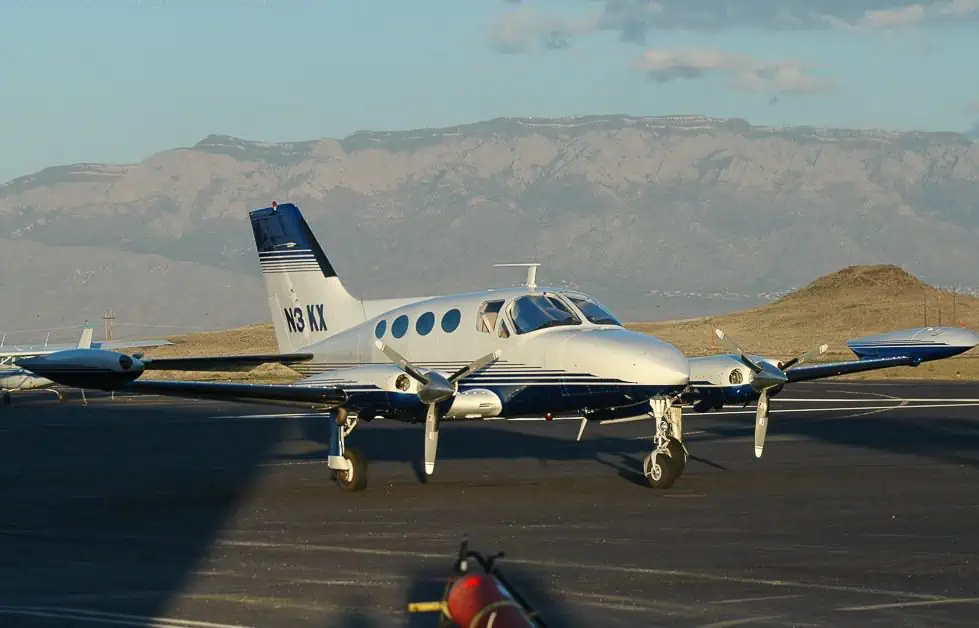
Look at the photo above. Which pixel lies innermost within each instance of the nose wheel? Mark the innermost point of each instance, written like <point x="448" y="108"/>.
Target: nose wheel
<point x="662" y="466"/>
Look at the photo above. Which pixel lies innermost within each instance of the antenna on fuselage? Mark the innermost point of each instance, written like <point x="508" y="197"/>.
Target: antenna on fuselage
<point x="531" y="272"/>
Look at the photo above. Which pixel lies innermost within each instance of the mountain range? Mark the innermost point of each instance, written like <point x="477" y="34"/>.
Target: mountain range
<point x="659" y="217"/>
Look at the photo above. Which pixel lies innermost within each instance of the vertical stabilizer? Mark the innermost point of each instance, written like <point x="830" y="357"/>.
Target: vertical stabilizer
<point x="306" y="298"/>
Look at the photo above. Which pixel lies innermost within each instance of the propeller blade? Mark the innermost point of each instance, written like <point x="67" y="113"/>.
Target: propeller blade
<point x="809" y="355"/>
<point x="398" y="359"/>
<point x="431" y="438"/>
<point x="761" y="423"/>
<point x="733" y="346"/>
<point x="478" y="365"/>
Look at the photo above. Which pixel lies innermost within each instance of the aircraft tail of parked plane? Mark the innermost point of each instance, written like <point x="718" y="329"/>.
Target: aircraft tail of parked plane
<point x="307" y="300"/>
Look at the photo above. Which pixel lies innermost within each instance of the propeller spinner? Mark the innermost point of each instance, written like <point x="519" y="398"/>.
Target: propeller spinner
<point x="435" y="388"/>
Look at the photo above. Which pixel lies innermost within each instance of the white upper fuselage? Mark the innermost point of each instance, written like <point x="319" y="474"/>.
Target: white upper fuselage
<point x="544" y="367"/>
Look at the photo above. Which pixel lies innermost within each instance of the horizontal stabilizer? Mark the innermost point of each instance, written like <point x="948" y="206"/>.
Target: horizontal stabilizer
<point x="13" y="351"/>
<point x="224" y="362"/>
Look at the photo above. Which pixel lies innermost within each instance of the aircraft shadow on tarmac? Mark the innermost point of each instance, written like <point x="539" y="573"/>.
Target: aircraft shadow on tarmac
<point x="103" y="512"/>
<point x="924" y="434"/>
<point x="404" y="443"/>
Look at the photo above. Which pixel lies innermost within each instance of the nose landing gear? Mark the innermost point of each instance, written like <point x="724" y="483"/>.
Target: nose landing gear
<point x="668" y="460"/>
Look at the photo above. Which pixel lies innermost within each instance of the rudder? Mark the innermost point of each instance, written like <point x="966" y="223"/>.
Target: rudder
<point x="307" y="301"/>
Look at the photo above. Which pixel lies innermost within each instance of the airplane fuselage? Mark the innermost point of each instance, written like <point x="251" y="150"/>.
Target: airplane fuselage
<point x="553" y="360"/>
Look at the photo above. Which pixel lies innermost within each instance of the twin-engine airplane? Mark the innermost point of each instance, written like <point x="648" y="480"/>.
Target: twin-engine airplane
<point x="505" y="353"/>
<point x="16" y="378"/>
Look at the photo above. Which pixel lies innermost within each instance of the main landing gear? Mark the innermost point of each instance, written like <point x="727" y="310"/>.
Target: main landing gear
<point x="667" y="461"/>
<point x="349" y="465"/>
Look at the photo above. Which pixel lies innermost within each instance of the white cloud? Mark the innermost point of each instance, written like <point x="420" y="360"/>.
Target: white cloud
<point x="909" y="15"/>
<point x="521" y="28"/>
<point x="783" y="76"/>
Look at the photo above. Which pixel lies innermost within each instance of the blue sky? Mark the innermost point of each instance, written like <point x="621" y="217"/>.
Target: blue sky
<point x="117" y="80"/>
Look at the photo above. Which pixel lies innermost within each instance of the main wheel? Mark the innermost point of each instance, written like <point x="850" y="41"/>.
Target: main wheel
<point x="5" y="398"/>
<point x="660" y="470"/>
<point x="354" y="478"/>
<point x="678" y="457"/>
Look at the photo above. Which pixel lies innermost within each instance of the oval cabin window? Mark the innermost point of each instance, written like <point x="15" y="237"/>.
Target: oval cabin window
<point x="450" y="320"/>
<point x="400" y="326"/>
<point x="425" y="323"/>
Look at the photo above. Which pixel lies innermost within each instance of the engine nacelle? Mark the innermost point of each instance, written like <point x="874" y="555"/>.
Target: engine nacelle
<point x="86" y="368"/>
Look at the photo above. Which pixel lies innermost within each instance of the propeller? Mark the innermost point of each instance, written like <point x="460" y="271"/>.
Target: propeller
<point x="766" y="377"/>
<point x="815" y="352"/>
<point x="435" y="388"/>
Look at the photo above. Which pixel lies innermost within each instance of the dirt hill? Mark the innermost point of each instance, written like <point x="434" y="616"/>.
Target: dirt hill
<point x="855" y="301"/>
<point x="852" y="302"/>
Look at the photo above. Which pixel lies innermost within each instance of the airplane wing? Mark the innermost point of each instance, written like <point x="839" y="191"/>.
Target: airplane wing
<point x="265" y="394"/>
<point x="223" y="362"/>
<point x="807" y="372"/>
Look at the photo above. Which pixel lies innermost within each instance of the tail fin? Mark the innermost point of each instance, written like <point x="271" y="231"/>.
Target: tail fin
<point x="85" y="342"/>
<point x="307" y="301"/>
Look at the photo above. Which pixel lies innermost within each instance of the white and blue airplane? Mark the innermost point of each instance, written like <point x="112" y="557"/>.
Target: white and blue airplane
<point x="15" y="378"/>
<point x="499" y="353"/>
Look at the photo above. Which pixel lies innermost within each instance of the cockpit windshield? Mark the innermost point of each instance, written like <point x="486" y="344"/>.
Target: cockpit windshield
<point x="592" y="310"/>
<point x="539" y="311"/>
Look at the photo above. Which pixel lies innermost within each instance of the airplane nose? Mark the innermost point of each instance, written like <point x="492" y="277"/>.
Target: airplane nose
<point x="627" y="356"/>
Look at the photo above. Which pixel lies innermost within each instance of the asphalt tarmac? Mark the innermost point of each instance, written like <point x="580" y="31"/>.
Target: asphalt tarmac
<point x="863" y="511"/>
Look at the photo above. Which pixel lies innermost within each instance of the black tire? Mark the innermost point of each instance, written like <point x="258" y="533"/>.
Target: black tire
<point x="663" y="474"/>
<point x="678" y="458"/>
<point x="358" y="468"/>
<point x="5" y="399"/>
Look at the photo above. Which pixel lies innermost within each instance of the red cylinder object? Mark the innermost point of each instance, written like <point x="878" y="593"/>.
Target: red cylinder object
<point x="479" y="601"/>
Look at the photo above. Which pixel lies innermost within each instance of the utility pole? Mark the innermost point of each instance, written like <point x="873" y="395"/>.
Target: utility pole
<point x="107" y="318"/>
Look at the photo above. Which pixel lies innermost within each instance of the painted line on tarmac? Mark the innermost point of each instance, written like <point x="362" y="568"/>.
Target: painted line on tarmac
<point x="599" y="567"/>
<point x="878" y="607"/>
<point x="102" y="617"/>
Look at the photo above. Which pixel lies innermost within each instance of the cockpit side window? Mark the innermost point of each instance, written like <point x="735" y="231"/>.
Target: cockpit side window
<point x="593" y="310"/>
<point x="489" y="311"/>
<point x="539" y="311"/>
